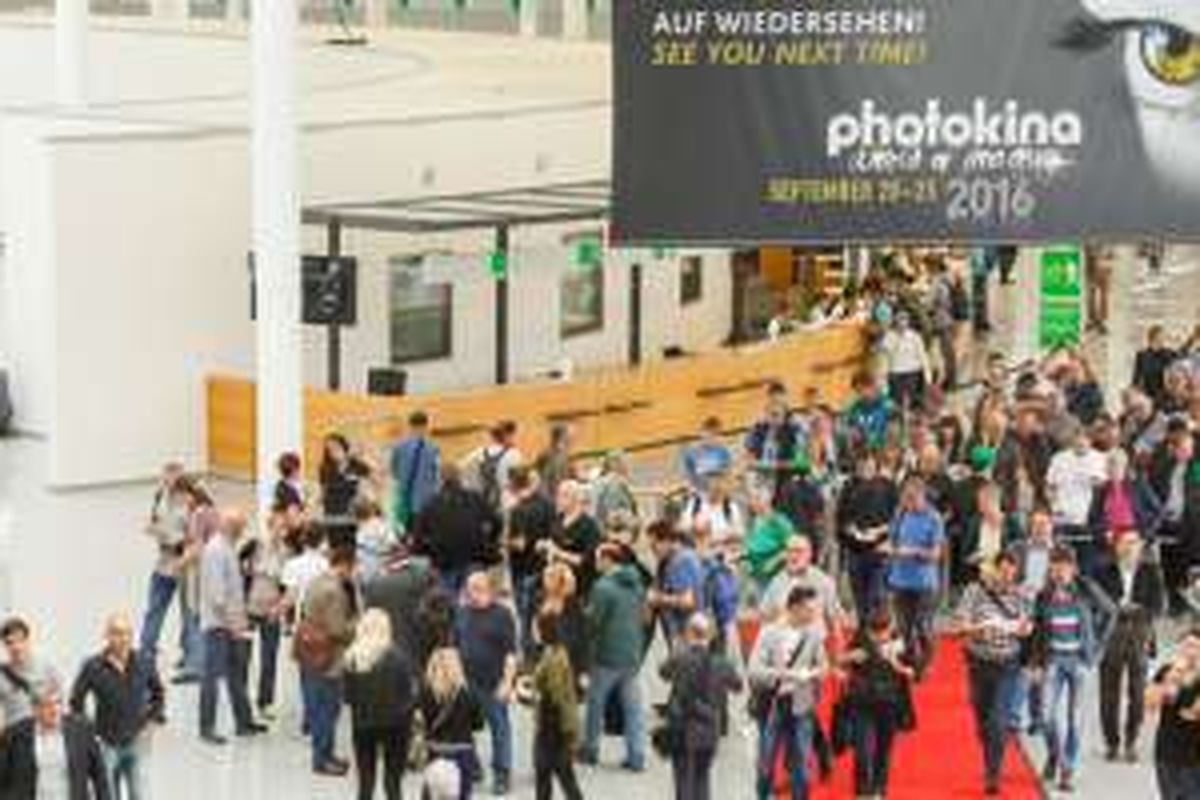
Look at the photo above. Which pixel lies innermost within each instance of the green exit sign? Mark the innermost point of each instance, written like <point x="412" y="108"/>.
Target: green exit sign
<point x="588" y="252"/>
<point x="498" y="264"/>
<point x="1061" y="302"/>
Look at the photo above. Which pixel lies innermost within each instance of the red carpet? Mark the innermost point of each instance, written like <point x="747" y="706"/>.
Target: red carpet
<point x="941" y="759"/>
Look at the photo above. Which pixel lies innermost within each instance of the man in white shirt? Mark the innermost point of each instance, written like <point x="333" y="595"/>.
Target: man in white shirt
<point x="1074" y="475"/>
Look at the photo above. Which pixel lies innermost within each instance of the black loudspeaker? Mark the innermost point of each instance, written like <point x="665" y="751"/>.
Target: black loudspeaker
<point x="386" y="381"/>
<point x="329" y="290"/>
<point x="6" y="409"/>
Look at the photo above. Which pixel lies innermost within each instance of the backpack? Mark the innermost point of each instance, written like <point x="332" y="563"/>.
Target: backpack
<point x="489" y="476"/>
<point x="720" y="593"/>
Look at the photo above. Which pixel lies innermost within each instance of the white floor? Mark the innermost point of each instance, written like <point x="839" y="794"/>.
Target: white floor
<point x="68" y="559"/>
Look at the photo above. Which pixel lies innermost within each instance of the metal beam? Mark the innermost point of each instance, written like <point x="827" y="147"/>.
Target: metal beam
<point x="502" y="309"/>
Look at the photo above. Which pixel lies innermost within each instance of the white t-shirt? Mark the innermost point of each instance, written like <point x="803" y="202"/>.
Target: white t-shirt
<point x="1073" y="479"/>
<point x="53" y="782"/>
<point x="905" y="352"/>
<point x="300" y="571"/>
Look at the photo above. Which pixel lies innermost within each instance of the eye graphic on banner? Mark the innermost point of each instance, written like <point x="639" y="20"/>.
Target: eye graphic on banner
<point x="844" y="121"/>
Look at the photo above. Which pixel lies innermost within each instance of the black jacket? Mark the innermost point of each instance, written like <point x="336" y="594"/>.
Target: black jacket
<point x="399" y="595"/>
<point x="1148" y="592"/>
<point x="125" y="702"/>
<point x="383" y="697"/>
<point x="700" y="685"/>
<point x="457" y="529"/>
<point x="85" y="765"/>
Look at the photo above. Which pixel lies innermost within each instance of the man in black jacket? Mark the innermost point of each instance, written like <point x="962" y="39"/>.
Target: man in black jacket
<point x="52" y="755"/>
<point x="128" y="698"/>
<point x="458" y="530"/>
<point x="398" y="592"/>
<point x="1135" y="587"/>
<point x="1175" y="481"/>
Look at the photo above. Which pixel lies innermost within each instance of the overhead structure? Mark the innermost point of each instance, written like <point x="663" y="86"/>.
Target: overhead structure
<point x="276" y="237"/>
<point x="499" y="210"/>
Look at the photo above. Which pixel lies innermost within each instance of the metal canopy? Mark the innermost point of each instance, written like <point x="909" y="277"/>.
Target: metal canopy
<point x="532" y="205"/>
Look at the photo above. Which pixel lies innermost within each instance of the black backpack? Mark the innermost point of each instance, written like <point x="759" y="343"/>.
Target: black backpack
<point x="489" y="476"/>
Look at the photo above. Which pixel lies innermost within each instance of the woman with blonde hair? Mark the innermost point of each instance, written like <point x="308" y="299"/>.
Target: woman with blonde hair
<point x="561" y="602"/>
<point x="451" y="714"/>
<point x="379" y="691"/>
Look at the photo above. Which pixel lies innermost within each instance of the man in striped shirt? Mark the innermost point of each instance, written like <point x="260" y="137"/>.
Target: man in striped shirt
<point x="1062" y="649"/>
<point x="993" y="616"/>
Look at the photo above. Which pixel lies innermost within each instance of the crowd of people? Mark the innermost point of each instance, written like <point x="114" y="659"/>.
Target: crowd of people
<point x="1050" y="522"/>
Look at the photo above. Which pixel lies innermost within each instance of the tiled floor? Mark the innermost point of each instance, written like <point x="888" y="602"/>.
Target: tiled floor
<point x="68" y="559"/>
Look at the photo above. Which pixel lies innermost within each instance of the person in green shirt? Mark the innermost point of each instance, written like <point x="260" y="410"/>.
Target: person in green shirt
<point x="768" y="537"/>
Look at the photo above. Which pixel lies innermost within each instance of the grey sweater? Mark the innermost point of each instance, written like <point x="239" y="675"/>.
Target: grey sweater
<point x="222" y="596"/>
<point x="772" y="653"/>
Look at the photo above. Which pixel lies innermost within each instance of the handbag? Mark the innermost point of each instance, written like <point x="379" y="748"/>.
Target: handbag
<point x="762" y="698"/>
<point x="313" y="646"/>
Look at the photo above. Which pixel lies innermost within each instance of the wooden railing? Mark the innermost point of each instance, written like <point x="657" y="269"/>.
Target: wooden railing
<point x="652" y="407"/>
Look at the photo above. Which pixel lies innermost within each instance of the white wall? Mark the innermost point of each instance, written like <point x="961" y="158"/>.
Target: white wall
<point x="537" y="262"/>
<point x="29" y="280"/>
<point x="148" y="236"/>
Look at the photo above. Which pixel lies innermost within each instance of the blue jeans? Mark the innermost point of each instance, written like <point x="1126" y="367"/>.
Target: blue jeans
<point x="874" y="733"/>
<point x="991" y="697"/>
<point x="499" y="725"/>
<point x="526" y="590"/>
<point x="1026" y="695"/>
<point x="323" y="705"/>
<point x="224" y="661"/>
<point x="158" y="603"/>
<point x="868" y="573"/>
<point x="603" y="681"/>
<point x="193" y="640"/>
<point x="1064" y="677"/>
<point x="124" y="767"/>
<point x="795" y="735"/>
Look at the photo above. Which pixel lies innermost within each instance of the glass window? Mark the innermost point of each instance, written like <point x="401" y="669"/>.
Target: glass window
<point x="691" y="279"/>
<point x="582" y="287"/>
<point x="421" y="313"/>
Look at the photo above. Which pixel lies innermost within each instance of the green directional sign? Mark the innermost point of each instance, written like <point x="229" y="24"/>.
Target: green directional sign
<point x="1060" y="321"/>
<point x="498" y="264"/>
<point x="588" y="252"/>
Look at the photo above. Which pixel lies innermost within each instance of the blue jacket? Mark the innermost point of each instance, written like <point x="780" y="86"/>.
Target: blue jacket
<point x="417" y="472"/>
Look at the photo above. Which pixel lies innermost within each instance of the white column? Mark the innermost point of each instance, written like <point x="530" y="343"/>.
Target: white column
<point x="575" y="20"/>
<point x="1026" y="299"/>
<point x="377" y="13"/>
<point x="276" y="237"/>
<point x="70" y="52"/>
<point x="1122" y="341"/>
<point x="170" y="10"/>
<point x="235" y="10"/>
<point x="529" y="17"/>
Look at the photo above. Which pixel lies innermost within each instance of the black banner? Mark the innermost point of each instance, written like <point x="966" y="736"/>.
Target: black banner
<point x="765" y="121"/>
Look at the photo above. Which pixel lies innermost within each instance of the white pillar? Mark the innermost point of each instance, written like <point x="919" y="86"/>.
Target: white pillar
<point x="70" y="52"/>
<point x="1122" y="343"/>
<point x="1026" y="304"/>
<point x="575" y="20"/>
<point x="170" y="10"/>
<point x="276" y="237"/>
<point x="529" y="18"/>
<point x="235" y="10"/>
<point x="377" y="13"/>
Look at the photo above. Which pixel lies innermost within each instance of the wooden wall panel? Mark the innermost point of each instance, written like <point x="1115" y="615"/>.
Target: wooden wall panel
<point x="644" y="409"/>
